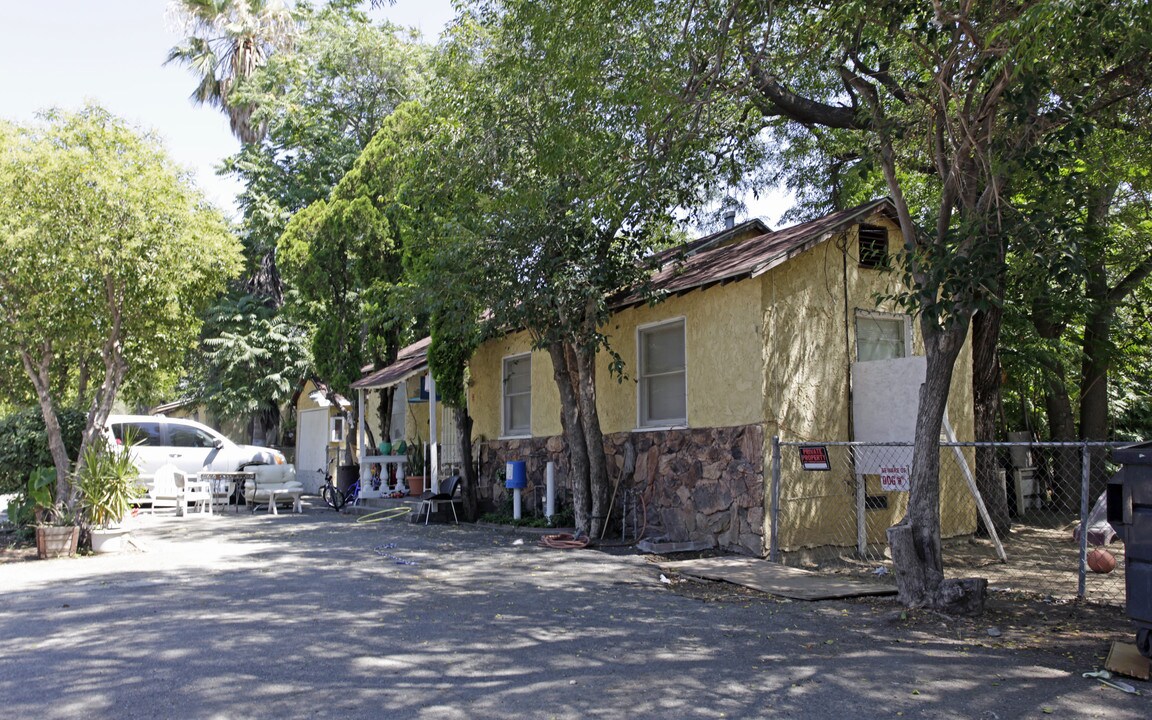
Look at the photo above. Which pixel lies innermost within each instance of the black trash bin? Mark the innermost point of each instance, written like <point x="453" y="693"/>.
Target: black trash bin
<point x="1130" y="514"/>
<point x="346" y="477"/>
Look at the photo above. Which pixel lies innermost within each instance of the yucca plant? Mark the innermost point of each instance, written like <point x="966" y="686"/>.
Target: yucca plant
<point x="107" y="483"/>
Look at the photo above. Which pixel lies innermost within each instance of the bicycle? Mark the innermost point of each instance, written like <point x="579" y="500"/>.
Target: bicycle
<point x="333" y="496"/>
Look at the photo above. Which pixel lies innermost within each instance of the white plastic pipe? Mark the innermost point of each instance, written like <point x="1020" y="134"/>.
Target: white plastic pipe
<point x="550" y="480"/>
<point x="516" y="504"/>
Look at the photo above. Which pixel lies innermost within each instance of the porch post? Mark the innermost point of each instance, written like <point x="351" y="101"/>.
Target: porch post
<point x="434" y="445"/>
<point x="1085" y="479"/>
<point x="360" y="431"/>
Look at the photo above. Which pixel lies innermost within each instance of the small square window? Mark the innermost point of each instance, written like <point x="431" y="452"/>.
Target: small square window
<point x="873" y="246"/>
<point x="881" y="337"/>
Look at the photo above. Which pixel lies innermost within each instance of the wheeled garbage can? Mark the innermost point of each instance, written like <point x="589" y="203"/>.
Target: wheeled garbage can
<point x="1130" y="515"/>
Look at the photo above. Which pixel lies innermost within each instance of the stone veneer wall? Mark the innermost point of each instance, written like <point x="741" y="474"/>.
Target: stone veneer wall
<point x="536" y="452"/>
<point x="697" y="484"/>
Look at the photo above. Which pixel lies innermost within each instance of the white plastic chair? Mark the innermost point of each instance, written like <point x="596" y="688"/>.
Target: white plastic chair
<point x="198" y="494"/>
<point x="167" y="489"/>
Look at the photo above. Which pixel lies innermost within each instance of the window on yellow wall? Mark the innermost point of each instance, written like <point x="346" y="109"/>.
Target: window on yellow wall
<point x="663" y="378"/>
<point x="517" y="395"/>
<point x="882" y="337"/>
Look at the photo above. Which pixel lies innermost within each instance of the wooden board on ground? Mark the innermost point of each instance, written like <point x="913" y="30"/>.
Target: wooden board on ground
<point x="776" y="579"/>
<point x="1125" y="659"/>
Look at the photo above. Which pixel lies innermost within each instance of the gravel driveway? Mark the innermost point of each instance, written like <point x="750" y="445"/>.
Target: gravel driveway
<point x="316" y="615"/>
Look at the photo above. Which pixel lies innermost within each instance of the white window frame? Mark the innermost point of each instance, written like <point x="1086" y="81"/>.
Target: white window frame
<point x="505" y="431"/>
<point x="905" y="326"/>
<point x="643" y="421"/>
<point x="336" y="429"/>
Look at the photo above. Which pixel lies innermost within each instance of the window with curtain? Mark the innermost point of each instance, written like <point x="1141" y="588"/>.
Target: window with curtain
<point x="518" y="395"/>
<point x="663" y="387"/>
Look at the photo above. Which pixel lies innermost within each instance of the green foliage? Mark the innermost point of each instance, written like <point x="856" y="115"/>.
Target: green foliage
<point x="227" y="40"/>
<point x="563" y="518"/>
<point x="107" y="483"/>
<point x="322" y="102"/>
<point x="253" y="358"/>
<point x="417" y="453"/>
<point x="570" y="121"/>
<point x="108" y="256"/>
<point x="24" y="444"/>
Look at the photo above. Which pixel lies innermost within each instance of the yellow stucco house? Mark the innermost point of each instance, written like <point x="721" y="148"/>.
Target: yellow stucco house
<point x="760" y="334"/>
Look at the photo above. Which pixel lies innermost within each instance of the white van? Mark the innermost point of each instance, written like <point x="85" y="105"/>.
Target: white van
<point x="157" y="440"/>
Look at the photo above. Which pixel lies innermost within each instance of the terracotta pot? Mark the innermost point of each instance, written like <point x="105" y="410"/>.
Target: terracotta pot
<point x="415" y="485"/>
<point x="54" y="541"/>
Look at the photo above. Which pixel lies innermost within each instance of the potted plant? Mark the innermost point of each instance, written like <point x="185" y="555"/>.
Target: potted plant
<point x="416" y="467"/>
<point x="107" y="483"/>
<point x="56" y="528"/>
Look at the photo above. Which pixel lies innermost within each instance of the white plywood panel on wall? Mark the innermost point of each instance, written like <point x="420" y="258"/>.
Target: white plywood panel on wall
<point x="885" y="398"/>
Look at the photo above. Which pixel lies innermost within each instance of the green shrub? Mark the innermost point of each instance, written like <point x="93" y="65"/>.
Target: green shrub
<point x="531" y="516"/>
<point x="24" y="444"/>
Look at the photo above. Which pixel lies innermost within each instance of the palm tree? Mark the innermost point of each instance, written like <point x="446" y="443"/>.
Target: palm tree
<point x="226" y="42"/>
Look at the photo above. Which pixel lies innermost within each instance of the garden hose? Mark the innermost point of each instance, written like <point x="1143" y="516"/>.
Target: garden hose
<point x="385" y="514"/>
<point x="564" y="541"/>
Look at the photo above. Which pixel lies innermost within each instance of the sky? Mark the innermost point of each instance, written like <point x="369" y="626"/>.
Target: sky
<point x="111" y="52"/>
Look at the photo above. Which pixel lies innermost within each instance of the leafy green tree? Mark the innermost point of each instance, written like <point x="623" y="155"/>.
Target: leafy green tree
<point x="321" y="102"/>
<point x="583" y="128"/>
<point x="227" y="42"/>
<point x="957" y="94"/>
<point x="344" y="255"/>
<point x="1080" y="255"/>
<point x="255" y="357"/>
<point x="105" y="248"/>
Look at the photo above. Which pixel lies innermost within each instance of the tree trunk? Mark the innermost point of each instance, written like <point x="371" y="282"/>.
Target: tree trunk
<point x="386" y="397"/>
<point x="915" y="542"/>
<point x="467" y="467"/>
<point x="585" y="360"/>
<point x="574" y="435"/>
<point x="985" y="401"/>
<point x="1060" y="464"/>
<point x="39" y="375"/>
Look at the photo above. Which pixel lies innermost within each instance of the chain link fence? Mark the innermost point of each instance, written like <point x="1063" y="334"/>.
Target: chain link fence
<point x="1009" y="512"/>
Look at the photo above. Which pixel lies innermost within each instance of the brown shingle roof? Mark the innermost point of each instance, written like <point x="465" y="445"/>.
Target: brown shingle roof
<point x="409" y="361"/>
<point x="750" y="258"/>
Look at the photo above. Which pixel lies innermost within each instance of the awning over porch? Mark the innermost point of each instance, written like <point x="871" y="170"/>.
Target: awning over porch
<point x="412" y="360"/>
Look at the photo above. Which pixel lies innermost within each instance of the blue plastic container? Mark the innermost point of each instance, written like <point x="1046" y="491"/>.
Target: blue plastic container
<point x="516" y="475"/>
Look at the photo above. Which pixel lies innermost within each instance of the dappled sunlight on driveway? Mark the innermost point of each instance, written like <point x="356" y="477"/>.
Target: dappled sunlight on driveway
<point x="316" y="615"/>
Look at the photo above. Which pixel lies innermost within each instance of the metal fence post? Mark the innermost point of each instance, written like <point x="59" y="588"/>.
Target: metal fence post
<point x="1085" y="477"/>
<point x="774" y="531"/>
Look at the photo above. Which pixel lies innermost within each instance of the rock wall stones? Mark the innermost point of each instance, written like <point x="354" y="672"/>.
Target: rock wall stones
<point x="702" y="484"/>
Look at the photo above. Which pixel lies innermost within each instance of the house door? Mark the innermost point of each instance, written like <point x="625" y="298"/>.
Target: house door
<point x="311" y="447"/>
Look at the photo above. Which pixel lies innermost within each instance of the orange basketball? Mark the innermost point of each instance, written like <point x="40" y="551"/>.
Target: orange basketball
<point x="1101" y="561"/>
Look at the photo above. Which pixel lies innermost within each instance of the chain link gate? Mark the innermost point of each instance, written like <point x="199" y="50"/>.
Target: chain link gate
<point x="836" y="519"/>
